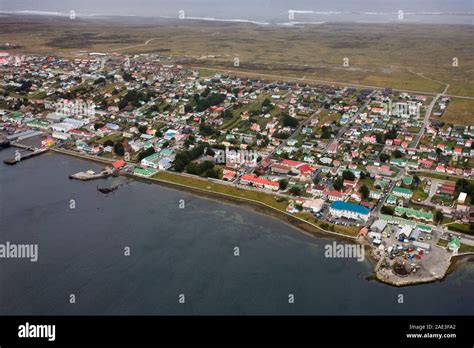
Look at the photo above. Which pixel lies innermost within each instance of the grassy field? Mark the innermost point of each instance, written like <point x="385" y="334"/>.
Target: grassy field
<point x="463" y="249"/>
<point x="404" y="56"/>
<point x="463" y="228"/>
<point x="419" y="194"/>
<point x="459" y="111"/>
<point x="442" y="176"/>
<point x="273" y="201"/>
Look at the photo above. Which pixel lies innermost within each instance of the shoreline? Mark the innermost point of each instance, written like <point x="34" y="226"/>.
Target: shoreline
<point x="301" y="225"/>
<point x="454" y="263"/>
<point x="261" y="208"/>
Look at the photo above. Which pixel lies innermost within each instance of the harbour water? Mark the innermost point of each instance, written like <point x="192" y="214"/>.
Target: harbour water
<point x="175" y="251"/>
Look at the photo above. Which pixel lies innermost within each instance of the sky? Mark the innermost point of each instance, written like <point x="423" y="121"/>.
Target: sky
<point x="265" y="10"/>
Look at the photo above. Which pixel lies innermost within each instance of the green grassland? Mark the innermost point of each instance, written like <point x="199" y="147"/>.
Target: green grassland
<point x="459" y="111"/>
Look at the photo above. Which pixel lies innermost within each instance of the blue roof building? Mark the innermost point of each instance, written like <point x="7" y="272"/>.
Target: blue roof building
<point x="349" y="210"/>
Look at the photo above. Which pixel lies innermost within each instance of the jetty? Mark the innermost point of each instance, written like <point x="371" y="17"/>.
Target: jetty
<point x="91" y="175"/>
<point x="22" y="156"/>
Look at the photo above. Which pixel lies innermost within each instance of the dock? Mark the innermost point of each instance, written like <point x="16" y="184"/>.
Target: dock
<point x="91" y="175"/>
<point x="22" y="157"/>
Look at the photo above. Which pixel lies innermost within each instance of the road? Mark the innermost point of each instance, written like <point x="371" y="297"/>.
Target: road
<point x="378" y="207"/>
<point x="438" y="173"/>
<point x="345" y="128"/>
<point x="426" y="120"/>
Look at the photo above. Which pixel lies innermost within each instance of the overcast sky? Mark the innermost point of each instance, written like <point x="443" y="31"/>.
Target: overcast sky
<point x="251" y="9"/>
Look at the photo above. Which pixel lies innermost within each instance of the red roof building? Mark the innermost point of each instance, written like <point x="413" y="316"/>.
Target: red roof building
<point x="259" y="182"/>
<point x="119" y="164"/>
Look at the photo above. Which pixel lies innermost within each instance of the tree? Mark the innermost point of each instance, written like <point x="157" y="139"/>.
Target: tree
<point x="387" y="210"/>
<point x="205" y="169"/>
<point x="391" y="134"/>
<point x="228" y="114"/>
<point x="209" y="100"/>
<point x="205" y="166"/>
<point x="188" y="108"/>
<point x="338" y="184"/>
<point x="384" y="157"/>
<point x="326" y="132"/>
<point x="99" y="81"/>
<point x="144" y="154"/>
<point x="416" y="180"/>
<point x="212" y="173"/>
<point x="283" y="184"/>
<point x="438" y="216"/>
<point x="98" y="125"/>
<point x="189" y="141"/>
<point x="282" y="135"/>
<point x="206" y="130"/>
<point x="364" y="190"/>
<point x="462" y="185"/>
<point x="179" y="166"/>
<point x="127" y="76"/>
<point x="397" y="154"/>
<point x="295" y="190"/>
<point x="118" y="149"/>
<point x="348" y="175"/>
<point x="210" y="152"/>
<point x="380" y="138"/>
<point x="192" y="168"/>
<point x="266" y="102"/>
<point x="108" y="143"/>
<point x="289" y="121"/>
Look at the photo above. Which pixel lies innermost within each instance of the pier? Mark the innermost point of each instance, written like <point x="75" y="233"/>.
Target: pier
<point x="91" y="175"/>
<point x="22" y="157"/>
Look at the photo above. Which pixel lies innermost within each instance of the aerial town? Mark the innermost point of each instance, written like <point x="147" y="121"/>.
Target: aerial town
<point x="376" y="167"/>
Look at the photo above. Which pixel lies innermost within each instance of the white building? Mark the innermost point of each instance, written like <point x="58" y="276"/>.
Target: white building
<point x="349" y="211"/>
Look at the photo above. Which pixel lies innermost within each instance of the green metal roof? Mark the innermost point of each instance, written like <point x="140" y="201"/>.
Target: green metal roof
<point x="403" y="191"/>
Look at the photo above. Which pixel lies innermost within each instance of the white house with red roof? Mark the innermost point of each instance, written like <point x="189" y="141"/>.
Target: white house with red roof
<point x="252" y="179"/>
<point x="335" y="196"/>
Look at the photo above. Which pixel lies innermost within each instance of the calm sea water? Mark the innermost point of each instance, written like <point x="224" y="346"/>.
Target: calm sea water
<point x="178" y="251"/>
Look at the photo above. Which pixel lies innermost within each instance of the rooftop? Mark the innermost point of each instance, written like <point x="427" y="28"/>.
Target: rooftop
<point x="350" y="207"/>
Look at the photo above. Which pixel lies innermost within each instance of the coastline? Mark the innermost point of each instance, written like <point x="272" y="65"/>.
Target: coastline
<point x="259" y="207"/>
<point x="454" y="263"/>
<point x="301" y="225"/>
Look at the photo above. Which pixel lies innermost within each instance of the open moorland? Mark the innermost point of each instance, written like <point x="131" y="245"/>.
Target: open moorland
<point x="403" y="56"/>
